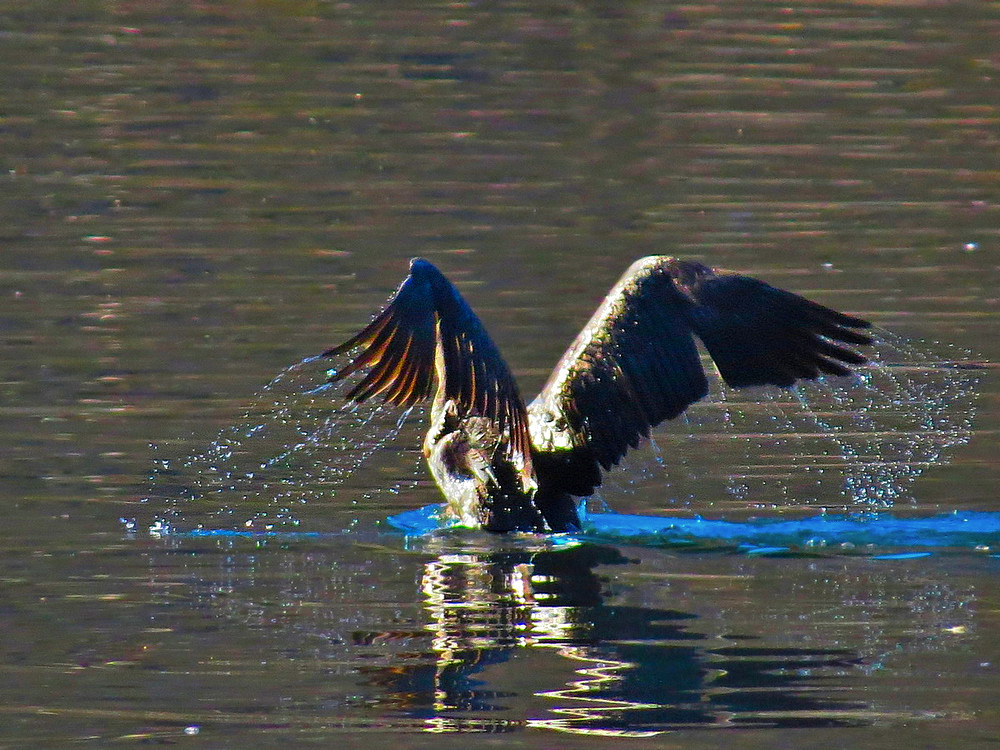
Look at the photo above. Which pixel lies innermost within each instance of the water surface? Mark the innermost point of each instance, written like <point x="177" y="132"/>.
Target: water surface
<point x="197" y="197"/>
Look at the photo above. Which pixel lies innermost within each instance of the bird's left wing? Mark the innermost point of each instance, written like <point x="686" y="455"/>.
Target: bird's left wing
<point x="636" y="364"/>
<point x="428" y="329"/>
<point x="632" y="366"/>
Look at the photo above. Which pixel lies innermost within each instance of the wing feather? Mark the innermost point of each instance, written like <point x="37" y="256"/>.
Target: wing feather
<point x="758" y="334"/>
<point x="399" y="349"/>
<point x="636" y="364"/>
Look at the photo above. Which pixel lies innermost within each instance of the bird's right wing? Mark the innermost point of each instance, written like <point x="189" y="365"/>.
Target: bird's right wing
<point x="425" y="330"/>
<point x="636" y="364"/>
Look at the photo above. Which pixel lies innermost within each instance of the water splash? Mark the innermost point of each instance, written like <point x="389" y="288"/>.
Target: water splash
<point x="905" y="410"/>
<point x="857" y="442"/>
<point x="840" y="533"/>
<point x="296" y="443"/>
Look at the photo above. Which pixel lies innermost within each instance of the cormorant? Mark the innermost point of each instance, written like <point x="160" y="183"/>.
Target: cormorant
<point x="503" y="466"/>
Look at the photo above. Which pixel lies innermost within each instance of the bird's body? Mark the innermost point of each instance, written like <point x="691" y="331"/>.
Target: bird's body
<point x="504" y="466"/>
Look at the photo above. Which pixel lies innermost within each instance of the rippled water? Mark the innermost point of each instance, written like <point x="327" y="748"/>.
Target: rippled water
<point x="196" y="197"/>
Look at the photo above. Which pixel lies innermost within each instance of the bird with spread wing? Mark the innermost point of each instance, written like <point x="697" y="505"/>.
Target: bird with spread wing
<point x="504" y="466"/>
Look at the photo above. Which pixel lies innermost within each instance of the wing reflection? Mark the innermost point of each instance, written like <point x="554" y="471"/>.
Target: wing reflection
<point x="618" y="669"/>
<point x="467" y="633"/>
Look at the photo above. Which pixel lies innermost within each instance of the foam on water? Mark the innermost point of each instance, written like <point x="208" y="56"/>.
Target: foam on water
<point x="765" y="536"/>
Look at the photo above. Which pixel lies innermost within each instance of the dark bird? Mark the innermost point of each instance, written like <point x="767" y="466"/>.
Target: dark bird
<point x="503" y="466"/>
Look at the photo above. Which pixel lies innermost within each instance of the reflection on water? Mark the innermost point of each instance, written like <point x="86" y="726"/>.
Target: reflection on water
<point x="196" y="194"/>
<point x="523" y="634"/>
<point x="630" y="671"/>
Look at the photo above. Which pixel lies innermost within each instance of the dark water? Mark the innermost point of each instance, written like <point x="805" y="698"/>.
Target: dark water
<point x="197" y="196"/>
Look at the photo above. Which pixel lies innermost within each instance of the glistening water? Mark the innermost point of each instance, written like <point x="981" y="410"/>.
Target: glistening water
<point x="197" y="196"/>
<point x="858" y="441"/>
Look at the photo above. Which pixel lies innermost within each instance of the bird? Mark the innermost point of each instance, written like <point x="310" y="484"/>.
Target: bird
<point x="504" y="466"/>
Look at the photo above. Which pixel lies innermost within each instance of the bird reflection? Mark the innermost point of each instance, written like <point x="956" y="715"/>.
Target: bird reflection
<point x="619" y="670"/>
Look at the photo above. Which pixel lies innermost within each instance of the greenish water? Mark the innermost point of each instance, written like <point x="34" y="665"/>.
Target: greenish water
<point x="197" y="196"/>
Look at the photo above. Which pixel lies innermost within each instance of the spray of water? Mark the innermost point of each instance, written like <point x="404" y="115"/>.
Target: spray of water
<point x="856" y="442"/>
<point x="298" y="441"/>
<point x="901" y="416"/>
